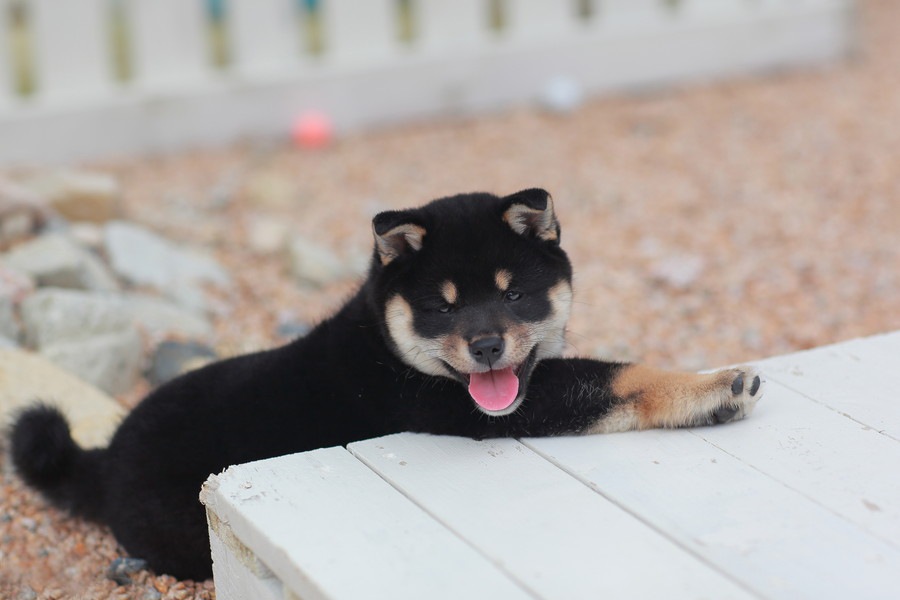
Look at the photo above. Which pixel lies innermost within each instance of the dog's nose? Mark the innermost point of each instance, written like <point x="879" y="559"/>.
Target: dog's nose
<point x="487" y="350"/>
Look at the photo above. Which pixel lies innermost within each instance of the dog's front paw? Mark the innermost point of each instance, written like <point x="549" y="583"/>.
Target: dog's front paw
<point x="741" y="388"/>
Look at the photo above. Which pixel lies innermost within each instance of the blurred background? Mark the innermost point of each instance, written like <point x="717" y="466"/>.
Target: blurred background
<point x="722" y="167"/>
<point x="187" y="179"/>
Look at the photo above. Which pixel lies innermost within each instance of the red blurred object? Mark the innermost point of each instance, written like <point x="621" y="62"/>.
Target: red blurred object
<point x="312" y="130"/>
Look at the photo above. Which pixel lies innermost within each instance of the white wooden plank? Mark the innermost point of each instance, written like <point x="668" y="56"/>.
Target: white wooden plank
<point x="835" y="462"/>
<point x="539" y="20"/>
<point x="538" y="523"/>
<point x="265" y="36"/>
<point x="329" y="527"/>
<point x="234" y="581"/>
<point x="777" y="542"/>
<point x="72" y="58"/>
<point x="625" y="15"/>
<point x="169" y="42"/>
<point x="358" y="33"/>
<point x="460" y="26"/>
<point x="859" y="378"/>
<point x="714" y="9"/>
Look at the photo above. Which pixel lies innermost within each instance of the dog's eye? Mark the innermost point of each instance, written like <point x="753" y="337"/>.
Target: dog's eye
<point x="445" y="308"/>
<point x="512" y="296"/>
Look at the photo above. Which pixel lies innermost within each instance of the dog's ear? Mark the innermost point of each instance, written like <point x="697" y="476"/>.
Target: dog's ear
<point x="397" y="233"/>
<point x="530" y="213"/>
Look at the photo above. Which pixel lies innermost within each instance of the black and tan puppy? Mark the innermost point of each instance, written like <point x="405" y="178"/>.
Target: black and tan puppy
<point x="457" y="330"/>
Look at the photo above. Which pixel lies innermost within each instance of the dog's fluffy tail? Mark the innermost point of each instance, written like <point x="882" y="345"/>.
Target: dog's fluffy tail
<point x="48" y="459"/>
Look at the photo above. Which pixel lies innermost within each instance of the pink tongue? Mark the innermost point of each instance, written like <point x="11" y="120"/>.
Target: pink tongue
<point x="494" y="390"/>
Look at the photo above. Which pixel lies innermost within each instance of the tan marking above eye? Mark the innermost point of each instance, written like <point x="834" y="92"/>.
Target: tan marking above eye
<point x="502" y="278"/>
<point x="449" y="292"/>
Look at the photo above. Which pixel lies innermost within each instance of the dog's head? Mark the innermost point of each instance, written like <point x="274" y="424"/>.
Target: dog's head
<point x="474" y="288"/>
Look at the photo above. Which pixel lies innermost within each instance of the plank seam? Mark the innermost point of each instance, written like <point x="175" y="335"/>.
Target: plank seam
<point x="799" y="492"/>
<point x="509" y="575"/>
<point x="686" y="548"/>
<point x="776" y="378"/>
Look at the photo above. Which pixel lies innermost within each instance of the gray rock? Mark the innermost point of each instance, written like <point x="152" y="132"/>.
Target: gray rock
<point x="52" y="315"/>
<point x="89" y="334"/>
<point x="314" y="265"/>
<point x="55" y="260"/>
<point x="145" y="258"/>
<point x="175" y="358"/>
<point x="160" y="318"/>
<point x="111" y="361"/>
<point x="7" y="343"/>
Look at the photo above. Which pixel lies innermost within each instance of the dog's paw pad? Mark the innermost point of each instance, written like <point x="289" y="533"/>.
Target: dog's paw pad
<point x="745" y="387"/>
<point x="737" y="386"/>
<point x="755" y="385"/>
<point x="740" y="386"/>
<point x="724" y="414"/>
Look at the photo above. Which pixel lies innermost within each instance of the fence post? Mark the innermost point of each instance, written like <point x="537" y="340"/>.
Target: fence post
<point x="72" y="55"/>
<point x="169" y="42"/>
<point x="265" y="36"/>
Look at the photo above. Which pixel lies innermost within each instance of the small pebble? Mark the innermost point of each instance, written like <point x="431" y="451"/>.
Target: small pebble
<point x="151" y="594"/>
<point x="121" y="569"/>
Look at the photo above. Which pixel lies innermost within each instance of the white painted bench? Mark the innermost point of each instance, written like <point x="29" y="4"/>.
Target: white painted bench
<point x="802" y="500"/>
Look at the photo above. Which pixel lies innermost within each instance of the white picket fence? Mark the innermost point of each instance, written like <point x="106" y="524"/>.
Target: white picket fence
<point x="379" y="62"/>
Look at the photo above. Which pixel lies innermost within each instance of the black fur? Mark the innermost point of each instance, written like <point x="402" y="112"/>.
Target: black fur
<point x="343" y="382"/>
<point x="48" y="459"/>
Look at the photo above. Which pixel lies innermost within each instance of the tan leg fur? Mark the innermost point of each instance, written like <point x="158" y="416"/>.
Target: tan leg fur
<point x="651" y="398"/>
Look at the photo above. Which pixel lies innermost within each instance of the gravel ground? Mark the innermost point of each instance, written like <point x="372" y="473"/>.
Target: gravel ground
<point x="710" y="225"/>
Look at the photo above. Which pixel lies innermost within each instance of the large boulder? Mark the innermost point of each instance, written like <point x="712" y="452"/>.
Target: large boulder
<point x="26" y="378"/>
<point x="159" y="318"/>
<point x="91" y="335"/>
<point x="55" y="260"/>
<point x="144" y="258"/>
